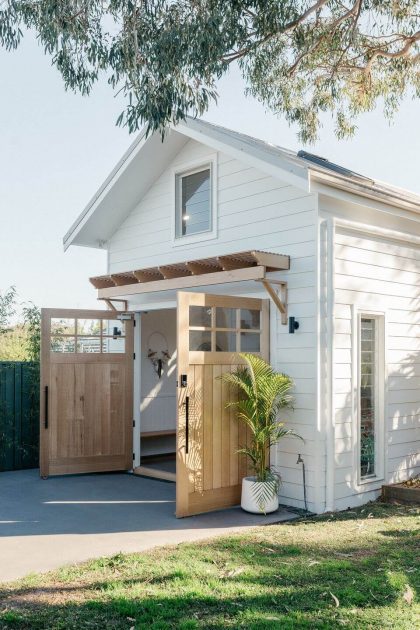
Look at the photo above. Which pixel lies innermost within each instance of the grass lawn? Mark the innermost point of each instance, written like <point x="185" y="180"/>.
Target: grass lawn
<point x="358" y="569"/>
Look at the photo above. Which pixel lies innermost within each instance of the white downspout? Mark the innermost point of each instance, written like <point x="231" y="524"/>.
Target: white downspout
<point x="330" y="436"/>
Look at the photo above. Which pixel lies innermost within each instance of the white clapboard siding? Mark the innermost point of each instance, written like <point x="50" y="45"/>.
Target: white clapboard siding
<point x="375" y="274"/>
<point x="254" y="211"/>
<point x="158" y="413"/>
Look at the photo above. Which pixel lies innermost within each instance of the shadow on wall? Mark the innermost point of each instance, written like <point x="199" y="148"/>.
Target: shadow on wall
<point x="402" y="428"/>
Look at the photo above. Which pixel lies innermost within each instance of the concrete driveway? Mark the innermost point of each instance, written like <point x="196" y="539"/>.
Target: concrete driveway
<point x="62" y="520"/>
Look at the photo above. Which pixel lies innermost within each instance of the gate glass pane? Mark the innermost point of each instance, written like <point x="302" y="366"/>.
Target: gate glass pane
<point x="88" y="344"/>
<point x="88" y="327"/>
<point x="225" y="317"/>
<point x="200" y="316"/>
<point x="62" y="326"/>
<point x="113" y="327"/>
<point x="113" y="344"/>
<point x="200" y="340"/>
<point x="250" y="319"/>
<point x="63" y="344"/>
<point x="250" y="342"/>
<point x="225" y="341"/>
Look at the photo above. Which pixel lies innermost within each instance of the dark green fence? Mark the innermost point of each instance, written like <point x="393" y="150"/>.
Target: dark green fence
<point x="19" y="415"/>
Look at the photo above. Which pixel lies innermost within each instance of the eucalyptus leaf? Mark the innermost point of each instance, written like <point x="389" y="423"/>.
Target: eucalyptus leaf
<point x="300" y="58"/>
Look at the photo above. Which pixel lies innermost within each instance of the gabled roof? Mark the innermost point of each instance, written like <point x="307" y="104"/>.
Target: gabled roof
<point x="145" y="160"/>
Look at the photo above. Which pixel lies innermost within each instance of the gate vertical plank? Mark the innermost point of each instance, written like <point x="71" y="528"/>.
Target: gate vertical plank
<point x="208" y="427"/>
<point x="198" y="428"/>
<point x="226" y="448"/>
<point x="233" y="424"/>
<point x="217" y="426"/>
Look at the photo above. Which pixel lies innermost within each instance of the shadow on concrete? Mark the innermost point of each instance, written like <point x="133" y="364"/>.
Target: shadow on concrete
<point x="102" y="503"/>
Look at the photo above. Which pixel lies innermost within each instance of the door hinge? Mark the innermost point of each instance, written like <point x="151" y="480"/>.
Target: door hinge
<point x="134" y="355"/>
<point x="134" y="456"/>
<point x="134" y="323"/>
<point x="134" y="423"/>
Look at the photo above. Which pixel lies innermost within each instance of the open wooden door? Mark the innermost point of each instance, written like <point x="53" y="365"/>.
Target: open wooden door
<point x="211" y="330"/>
<point x="86" y="414"/>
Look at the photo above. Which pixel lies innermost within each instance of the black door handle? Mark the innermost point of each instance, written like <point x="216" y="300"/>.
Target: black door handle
<point x="187" y="421"/>
<point x="46" y="408"/>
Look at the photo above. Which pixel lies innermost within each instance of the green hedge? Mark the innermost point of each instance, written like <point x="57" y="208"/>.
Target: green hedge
<point x="19" y="415"/>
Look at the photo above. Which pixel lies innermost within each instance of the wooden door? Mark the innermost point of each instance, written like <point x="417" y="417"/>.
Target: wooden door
<point x="86" y="414"/>
<point x="211" y="330"/>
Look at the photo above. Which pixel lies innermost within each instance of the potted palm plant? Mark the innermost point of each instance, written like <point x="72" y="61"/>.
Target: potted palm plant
<point x="262" y="394"/>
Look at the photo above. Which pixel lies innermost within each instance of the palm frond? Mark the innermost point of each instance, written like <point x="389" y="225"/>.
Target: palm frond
<point x="262" y="394"/>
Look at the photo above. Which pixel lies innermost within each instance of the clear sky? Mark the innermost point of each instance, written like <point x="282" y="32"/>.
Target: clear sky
<point x="56" y="148"/>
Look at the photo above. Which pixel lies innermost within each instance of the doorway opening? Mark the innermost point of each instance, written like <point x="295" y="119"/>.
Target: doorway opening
<point x="158" y="394"/>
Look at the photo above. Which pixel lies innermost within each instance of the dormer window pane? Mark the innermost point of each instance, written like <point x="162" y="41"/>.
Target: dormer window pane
<point x="193" y="203"/>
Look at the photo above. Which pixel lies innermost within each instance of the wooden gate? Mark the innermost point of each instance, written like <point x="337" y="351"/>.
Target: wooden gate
<point x="211" y="330"/>
<point x="86" y="407"/>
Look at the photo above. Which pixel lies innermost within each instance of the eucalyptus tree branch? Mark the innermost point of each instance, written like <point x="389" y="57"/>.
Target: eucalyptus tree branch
<point x="298" y="57"/>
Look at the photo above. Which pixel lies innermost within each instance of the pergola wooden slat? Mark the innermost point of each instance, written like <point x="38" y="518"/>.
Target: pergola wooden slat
<point x="227" y="262"/>
<point x="249" y="265"/>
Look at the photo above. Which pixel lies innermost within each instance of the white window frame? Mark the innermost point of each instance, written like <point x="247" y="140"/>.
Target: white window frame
<point x="189" y="168"/>
<point x="371" y="482"/>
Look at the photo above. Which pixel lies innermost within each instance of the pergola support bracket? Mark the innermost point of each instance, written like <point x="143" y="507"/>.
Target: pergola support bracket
<point x="278" y="296"/>
<point x="110" y="304"/>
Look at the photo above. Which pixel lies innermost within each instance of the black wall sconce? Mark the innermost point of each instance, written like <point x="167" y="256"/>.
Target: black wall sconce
<point x="293" y="325"/>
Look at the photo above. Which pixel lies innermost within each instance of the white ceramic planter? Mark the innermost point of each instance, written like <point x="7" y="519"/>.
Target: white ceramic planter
<point x="249" y="502"/>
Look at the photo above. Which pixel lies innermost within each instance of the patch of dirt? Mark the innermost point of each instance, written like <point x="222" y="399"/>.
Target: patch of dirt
<point x="51" y="595"/>
<point x="356" y="553"/>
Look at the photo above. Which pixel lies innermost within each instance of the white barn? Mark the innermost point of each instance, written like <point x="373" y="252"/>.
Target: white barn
<point x="206" y="193"/>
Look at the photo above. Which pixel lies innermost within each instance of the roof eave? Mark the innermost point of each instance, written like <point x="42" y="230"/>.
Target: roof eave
<point x="74" y="229"/>
<point x="394" y="197"/>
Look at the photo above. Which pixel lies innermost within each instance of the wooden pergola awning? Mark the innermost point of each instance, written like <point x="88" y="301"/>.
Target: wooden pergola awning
<point x="202" y="266"/>
<point x="243" y="266"/>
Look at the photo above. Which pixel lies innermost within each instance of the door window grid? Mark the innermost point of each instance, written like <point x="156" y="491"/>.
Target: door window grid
<point x="93" y="336"/>
<point x="230" y="329"/>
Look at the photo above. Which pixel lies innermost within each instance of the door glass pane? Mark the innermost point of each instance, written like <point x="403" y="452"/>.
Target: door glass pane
<point x="88" y="327"/>
<point x="200" y="316"/>
<point x="62" y="326"/>
<point x="225" y="341"/>
<point x="250" y="319"/>
<point x="225" y="317"/>
<point x="368" y="380"/>
<point x="200" y="340"/>
<point x="113" y="327"/>
<point x="88" y="344"/>
<point x="113" y="344"/>
<point x="62" y="344"/>
<point x="250" y="342"/>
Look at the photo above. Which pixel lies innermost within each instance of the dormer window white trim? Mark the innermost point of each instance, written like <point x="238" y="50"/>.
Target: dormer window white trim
<point x="194" y="215"/>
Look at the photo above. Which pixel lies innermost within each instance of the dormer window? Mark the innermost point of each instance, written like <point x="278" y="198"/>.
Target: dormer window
<point x="194" y="203"/>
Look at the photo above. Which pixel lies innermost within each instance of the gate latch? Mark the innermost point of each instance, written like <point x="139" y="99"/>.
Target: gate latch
<point x="183" y="380"/>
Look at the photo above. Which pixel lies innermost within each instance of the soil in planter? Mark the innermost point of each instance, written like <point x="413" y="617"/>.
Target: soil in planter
<point x="411" y="483"/>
